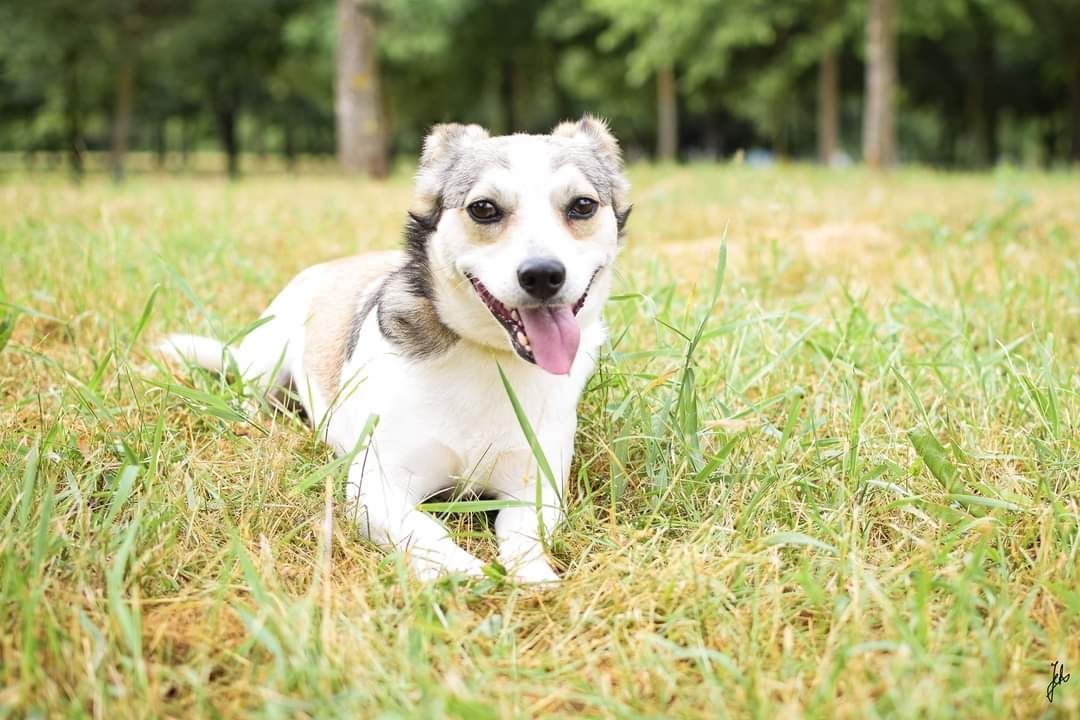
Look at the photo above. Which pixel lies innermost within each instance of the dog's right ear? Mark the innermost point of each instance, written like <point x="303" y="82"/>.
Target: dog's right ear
<point x="592" y="132"/>
<point x="442" y="146"/>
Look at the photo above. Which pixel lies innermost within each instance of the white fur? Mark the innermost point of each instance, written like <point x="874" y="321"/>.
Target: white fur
<point x="447" y="420"/>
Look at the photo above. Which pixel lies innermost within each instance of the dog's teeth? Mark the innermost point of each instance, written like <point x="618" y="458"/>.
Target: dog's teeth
<point x="521" y="338"/>
<point x="514" y="314"/>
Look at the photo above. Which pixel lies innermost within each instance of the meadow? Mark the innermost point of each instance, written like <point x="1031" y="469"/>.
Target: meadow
<point x="829" y="467"/>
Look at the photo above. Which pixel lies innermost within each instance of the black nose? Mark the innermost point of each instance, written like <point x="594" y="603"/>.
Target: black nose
<point x="541" y="277"/>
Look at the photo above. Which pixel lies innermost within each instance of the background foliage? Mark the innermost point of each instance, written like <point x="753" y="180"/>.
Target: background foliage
<point x="979" y="80"/>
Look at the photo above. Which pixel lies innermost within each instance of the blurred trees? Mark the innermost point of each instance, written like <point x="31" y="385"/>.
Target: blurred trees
<point x="952" y="82"/>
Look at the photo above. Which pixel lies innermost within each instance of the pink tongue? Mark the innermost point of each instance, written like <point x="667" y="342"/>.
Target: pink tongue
<point x="553" y="335"/>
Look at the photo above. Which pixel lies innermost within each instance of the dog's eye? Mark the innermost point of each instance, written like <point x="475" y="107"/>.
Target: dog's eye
<point x="484" y="211"/>
<point x="582" y="208"/>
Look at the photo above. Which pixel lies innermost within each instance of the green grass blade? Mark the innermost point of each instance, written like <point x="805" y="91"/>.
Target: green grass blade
<point x="148" y="308"/>
<point x="472" y="506"/>
<point x="26" y="492"/>
<point x="317" y="477"/>
<point x="797" y="538"/>
<point x="530" y="436"/>
<point x="124" y="484"/>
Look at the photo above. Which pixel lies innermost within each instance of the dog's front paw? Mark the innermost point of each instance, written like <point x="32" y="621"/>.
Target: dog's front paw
<point x="429" y="570"/>
<point x="535" y="573"/>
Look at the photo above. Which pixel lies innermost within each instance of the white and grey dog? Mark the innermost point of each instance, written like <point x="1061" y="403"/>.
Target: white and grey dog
<point x="508" y="257"/>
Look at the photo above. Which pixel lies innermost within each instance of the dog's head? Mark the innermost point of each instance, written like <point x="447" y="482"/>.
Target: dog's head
<point x="520" y="233"/>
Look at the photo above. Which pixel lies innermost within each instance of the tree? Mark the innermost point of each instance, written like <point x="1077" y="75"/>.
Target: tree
<point x="130" y="24"/>
<point x="829" y="29"/>
<point x="738" y="59"/>
<point x="227" y="52"/>
<point x="53" y="43"/>
<point x="1058" y="22"/>
<point x="879" y="122"/>
<point x="667" y="113"/>
<point x="358" y="105"/>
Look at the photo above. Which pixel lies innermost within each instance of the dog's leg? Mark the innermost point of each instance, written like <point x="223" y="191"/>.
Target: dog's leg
<point x="390" y="519"/>
<point x="522" y="531"/>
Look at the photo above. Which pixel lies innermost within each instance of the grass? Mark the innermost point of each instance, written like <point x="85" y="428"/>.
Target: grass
<point x="839" y="479"/>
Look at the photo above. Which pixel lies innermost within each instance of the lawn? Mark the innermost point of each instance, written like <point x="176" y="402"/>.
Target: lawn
<point x="836" y="476"/>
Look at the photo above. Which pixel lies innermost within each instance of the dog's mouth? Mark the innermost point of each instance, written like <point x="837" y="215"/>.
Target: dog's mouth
<point x="546" y="335"/>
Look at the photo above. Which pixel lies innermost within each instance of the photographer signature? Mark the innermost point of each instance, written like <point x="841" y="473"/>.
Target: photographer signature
<point x="1057" y="677"/>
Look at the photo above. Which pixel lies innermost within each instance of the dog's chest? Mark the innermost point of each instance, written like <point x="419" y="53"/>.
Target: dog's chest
<point x="451" y="417"/>
<point x="462" y="402"/>
<point x="454" y="411"/>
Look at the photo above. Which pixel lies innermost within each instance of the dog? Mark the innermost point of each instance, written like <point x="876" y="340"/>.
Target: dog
<point x="509" y="250"/>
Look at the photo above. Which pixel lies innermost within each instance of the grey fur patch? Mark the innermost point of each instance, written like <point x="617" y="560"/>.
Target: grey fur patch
<point x="458" y="179"/>
<point x="408" y="319"/>
<point x="599" y="172"/>
<point x="406" y="300"/>
<point x="357" y="323"/>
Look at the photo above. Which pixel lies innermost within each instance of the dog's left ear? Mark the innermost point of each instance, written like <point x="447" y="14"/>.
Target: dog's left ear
<point x="593" y="132"/>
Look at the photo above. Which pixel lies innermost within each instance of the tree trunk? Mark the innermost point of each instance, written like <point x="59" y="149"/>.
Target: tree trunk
<point x="777" y="122"/>
<point x="185" y="142"/>
<point x="519" y="84"/>
<point x="121" y="125"/>
<point x="982" y="101"/>
<point x="259" y="141"/>
<point x="828" y="120"/>
<point x="879" y="121"/>
<point x="712" y="140"/>
<point x="226" y="122"/>
<point x="514" y="96"/>
<point x="1049" y="142"/>
<point x="73" y="114"/>
<point x="667" y="126"/>
<point x="358" y="109"/>
<point x="506" y="96"/>
<point x="289" y="148"/>
<point x="947" y="141"/>
<point x="161" y="145"/>
<point x="1074" y="111"/>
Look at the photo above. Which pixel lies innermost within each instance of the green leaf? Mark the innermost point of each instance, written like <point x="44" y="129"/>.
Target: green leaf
<point x="985" y="502"/>
<point x="461" y="709"/>
<point x="933" y="454"/>
<point x="205" y="402"/>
